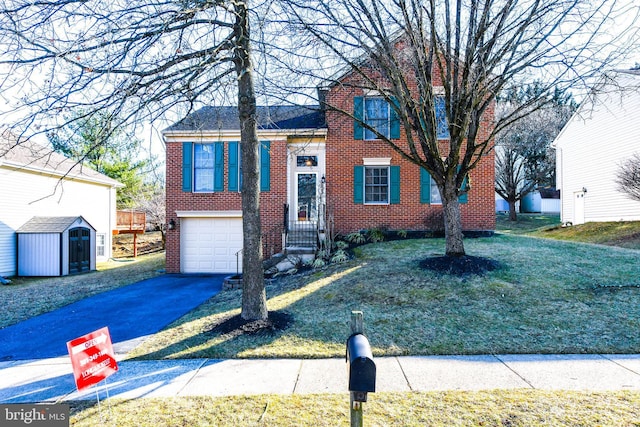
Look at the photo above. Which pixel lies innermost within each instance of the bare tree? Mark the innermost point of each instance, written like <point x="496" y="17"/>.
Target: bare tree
<point x="628" y="177"/>
<point x="136" y="61"/>
<point x="410" y="52"/>
<point x="524" y="157"/>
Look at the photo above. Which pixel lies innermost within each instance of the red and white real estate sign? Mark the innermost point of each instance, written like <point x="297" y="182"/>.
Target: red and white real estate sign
<point x="92" y="358"/>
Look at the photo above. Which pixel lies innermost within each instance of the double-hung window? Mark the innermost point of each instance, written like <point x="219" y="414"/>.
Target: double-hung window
<point x="434" y="196"/>
<point x="376" y="184"/>
<point x="375" y="112"/>
<point x="429" y="192"/>
<point x="442" y="127"/>
<point x="101" y="243"/>
<point x="203" y="167"/>
<point x="376" y="115"/>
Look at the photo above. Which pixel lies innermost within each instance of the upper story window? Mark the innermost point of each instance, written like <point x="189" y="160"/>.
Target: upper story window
<point x="203" y="167"/>
<point x="442" y="127"/>
<point x="376" y="115"/>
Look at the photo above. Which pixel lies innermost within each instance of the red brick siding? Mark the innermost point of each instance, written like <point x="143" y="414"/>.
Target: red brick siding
<point x="343" y="153"/>
<point x="271" y="202"/>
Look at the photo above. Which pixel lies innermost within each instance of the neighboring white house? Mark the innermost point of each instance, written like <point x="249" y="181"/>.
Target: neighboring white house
<point x="36" y="182"/>
<point x="590" y="148"/>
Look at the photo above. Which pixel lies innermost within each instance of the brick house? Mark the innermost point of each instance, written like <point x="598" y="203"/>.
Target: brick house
<point x="313" y="164"/>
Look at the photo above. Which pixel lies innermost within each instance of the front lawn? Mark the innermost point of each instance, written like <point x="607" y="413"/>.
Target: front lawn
<point x="523" y="408"/>
<point x="548" y="297"/>
<point x="30" y="296"/>
<point x="526" y="223"/>
<point x="622" y="234"/>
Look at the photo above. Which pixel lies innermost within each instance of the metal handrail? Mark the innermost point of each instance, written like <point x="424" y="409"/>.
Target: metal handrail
<point x="237" y="261"/>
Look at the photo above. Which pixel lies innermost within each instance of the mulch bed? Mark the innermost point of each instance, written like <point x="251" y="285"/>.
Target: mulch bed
<point x="460" y="266"/>
<point x="278" y="321"/>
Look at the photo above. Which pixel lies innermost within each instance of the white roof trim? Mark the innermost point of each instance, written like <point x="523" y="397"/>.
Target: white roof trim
<point x="71" y="176"/>
<point x="209" y="214"/>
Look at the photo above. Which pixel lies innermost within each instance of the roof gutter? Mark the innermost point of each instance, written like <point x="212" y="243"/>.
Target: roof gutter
<point x="75" y="177"/>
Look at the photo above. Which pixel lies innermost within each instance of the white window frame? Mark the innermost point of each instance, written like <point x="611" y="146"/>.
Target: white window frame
<point x="388" y="185"/>
<point x="434" y="190"/>
<point x="213" y="168"/>
<point x="101" y="247"/>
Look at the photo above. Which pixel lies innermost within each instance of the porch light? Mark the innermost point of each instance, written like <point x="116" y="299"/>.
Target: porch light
<point x="171" y="225"/>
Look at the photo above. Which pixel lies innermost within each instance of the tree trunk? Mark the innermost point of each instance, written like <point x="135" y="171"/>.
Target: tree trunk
<point x="254" y="299"/>
<point x="454" y="239"/>
<point x="513" y="215"/>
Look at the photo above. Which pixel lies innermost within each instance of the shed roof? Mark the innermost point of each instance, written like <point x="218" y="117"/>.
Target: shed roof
<point x="288" y="117"/>
<point x="27" y="154"/>
<point x="49" y="224"/>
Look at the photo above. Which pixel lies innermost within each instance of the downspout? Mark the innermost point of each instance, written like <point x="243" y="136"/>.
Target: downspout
<point x="61" y="257"/>
<point x="562" y="189"/>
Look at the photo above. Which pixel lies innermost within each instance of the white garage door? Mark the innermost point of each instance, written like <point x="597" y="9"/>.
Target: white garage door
<point x="209" y="245"/>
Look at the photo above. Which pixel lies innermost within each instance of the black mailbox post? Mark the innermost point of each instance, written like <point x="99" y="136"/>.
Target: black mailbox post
<point x="361" y="367"/>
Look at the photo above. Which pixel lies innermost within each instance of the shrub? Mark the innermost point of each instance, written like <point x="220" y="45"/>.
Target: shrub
<point x="357" y="238"/>
<point x="376" y="235"/>
<point x="339" y="256"/>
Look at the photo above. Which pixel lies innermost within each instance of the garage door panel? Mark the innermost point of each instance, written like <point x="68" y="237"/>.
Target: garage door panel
<point x="209" y="245"/>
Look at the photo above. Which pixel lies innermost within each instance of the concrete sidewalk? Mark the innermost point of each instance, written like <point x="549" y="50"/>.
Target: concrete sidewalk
<point x="51" y="380"/>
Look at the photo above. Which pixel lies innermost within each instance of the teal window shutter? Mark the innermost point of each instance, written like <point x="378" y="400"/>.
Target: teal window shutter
<point x="265" y="166"/>
<point x="232" y="163"/>
<point x="218" y="167"/>
<point x="358" y="110"/>
<point x="394" y="193"/>
<point x="425" y="186"/>
<point x="358" y="185"/>
<point x="394" y="121"/>
<point x="187" y="166"/>
<point x="464" y="198"/>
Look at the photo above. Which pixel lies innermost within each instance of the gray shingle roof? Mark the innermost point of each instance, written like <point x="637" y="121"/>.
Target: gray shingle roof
<point x="48" y="224"/>
<point x="24" y="152"/>
<point x="285" y="117"/>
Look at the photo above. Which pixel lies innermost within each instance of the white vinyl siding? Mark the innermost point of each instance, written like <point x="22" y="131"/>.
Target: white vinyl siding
<point x="27" y="194"/>
<point x="39" y="254"/>
<point x="590" y="149"/>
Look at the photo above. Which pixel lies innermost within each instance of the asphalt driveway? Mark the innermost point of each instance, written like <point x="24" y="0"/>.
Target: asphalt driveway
<point x="131" y="312"/>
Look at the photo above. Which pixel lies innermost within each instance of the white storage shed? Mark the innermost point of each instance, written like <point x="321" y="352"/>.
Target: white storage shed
<point x="56" y="246"/>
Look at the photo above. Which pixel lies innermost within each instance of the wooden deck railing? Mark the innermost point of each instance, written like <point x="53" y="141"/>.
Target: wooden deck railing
<point x="130" y="221"/>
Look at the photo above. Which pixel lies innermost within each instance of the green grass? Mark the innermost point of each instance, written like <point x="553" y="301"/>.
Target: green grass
<point x="525" y="408"/>
<point x="621" y="234"/>
<point x="31" y="296"/>
<point x="548" y="297"/>
<point x="526" y="223"/>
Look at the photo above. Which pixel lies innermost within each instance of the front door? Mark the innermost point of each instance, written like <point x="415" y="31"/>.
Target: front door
<point x="307" y="197"/>
<point x="306" y="185"/>
<point x="79" y="250"/>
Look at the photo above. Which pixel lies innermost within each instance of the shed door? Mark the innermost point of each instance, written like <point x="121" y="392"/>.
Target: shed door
<point x="79" y="250"/>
